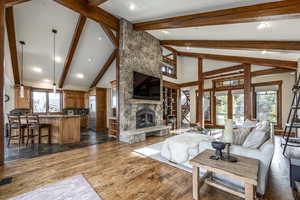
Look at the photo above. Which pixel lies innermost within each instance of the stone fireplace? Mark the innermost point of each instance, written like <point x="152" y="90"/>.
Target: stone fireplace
<point x="145" y="118"/>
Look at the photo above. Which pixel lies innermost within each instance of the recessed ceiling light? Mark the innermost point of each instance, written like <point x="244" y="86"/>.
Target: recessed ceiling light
<point x="58" y="59"/>
<point x="132" y="6"/>
<point x="99" y="38"/>
<point x="264" y="52"/>
<point x="188" y="48"/>
<point x="80" y="75"/>
<point x="90" y="60"/>
<point x="47" y="81"/>
<point x="263" y="25"/>
<point x="37" y="69"/>
<point x="165" y="32"/>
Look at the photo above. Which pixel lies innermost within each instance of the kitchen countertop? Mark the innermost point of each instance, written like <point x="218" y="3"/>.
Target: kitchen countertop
<point x="58" y="116"/>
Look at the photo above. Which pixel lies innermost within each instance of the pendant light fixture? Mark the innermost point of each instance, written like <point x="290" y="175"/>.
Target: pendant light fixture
<point x="54" y="31"/>
<point x="22" y="66"/>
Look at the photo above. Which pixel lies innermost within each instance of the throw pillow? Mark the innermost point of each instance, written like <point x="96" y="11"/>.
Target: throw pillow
<point x="240" y="135"/>
<point x="256" y="138"/>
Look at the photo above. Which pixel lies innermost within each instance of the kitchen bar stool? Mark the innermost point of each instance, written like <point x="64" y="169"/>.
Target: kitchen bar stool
<point x="14" y="123"/>
<point x="33" y="122"/>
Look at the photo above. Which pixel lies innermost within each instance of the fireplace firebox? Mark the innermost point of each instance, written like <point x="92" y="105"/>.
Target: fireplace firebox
<point x="145" y="118"/>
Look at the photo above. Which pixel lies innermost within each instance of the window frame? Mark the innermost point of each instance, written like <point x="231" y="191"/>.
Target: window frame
<point x="279" y="100"/>
<point x="47" y="101"/>
<point x="206" y="122"/>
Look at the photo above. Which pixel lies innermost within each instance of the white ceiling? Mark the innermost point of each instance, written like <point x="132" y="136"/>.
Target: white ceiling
<point x="35" y="19"/>
<point x="141" y="10"/>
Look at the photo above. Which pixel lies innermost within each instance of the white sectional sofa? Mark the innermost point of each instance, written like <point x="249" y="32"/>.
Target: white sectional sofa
<point x="187" y="148"/>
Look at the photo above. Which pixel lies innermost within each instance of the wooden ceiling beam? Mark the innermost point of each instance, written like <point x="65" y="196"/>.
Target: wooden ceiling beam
<point x="75" y="40"/>
<point x="224" y="75"/>
<point x="224" y="70"/>
<point x="254" y="13"/>
<point x="170" y="49"/>
<point x="253" y="74"/>
<point x="92" y="12"/>
<point x="96" y="2"/>
<point x="111" y="36"/>
<point x="9" y="3"/>
<point x="284" y="64"/>
<point x="235" y="44"/>
<point x="10" y="24"/>
<point x="104" y="68"/>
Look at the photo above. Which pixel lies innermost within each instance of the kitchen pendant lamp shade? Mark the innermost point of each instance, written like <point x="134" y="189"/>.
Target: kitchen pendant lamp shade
<point x="22" y="66"/>
<point x="54" y="31"/>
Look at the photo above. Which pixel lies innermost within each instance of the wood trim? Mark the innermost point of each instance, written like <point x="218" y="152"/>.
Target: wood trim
<point x="270" y="71"/>
<point x="1" y="82"/>
<point x="229" y="105"/>
<point x="9" y="3"/>
<point x="284" y="64"/>
<point x="200" y="92"/>
<point x="247" y="92"/>
<point x="11" y="34"/>
<point x="76" y="36"/>
<point x="92" y="12"/>
<point x="223" y="70"/>
<point x="253" y="13"/>
<point x="110" y="35"/>
<point x="96" y="2"/>
<point x="170" y="49"/>
<point x="224" y="75"/>
<point x="189" y="84"/>
<point x="170" y="85"/>
<point x="235" y="44"/>
<point x="104" y="68"/>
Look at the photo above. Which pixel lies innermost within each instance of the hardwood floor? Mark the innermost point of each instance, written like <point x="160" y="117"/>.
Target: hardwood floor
<point x="116" y="172"/>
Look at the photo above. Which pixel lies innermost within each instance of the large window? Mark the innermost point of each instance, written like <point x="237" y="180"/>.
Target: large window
<point x="46" y="102"/>
<point x="267" y="105"/>
<point x="238" y="107"/>
<point x="221" y="108"/>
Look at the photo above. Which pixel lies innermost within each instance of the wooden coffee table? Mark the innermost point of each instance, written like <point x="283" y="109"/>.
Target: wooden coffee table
<point x="246" y="170"/>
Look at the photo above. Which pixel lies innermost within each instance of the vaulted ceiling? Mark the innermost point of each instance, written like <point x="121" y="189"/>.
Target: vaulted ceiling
<point x="35" y="19"/>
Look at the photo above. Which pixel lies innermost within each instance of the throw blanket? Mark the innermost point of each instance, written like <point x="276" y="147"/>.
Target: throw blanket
<point x="182" y="148"/>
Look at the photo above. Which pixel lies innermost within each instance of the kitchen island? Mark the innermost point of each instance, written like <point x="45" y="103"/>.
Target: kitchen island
<point x="65" y="129"/>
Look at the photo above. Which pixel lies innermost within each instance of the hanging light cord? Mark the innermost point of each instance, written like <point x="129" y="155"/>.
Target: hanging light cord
<point x="54" y="32"/>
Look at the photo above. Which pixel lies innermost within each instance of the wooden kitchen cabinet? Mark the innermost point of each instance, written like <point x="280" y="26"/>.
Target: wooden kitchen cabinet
<point x="74" y="99"/>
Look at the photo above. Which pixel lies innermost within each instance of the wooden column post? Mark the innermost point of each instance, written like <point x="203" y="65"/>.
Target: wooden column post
<point x="1" y="82"/>
<point x="247" y="92"/>
<point x="214" y="104"/>
<point x="200" y="92"/>
<point x="230" y="105"/>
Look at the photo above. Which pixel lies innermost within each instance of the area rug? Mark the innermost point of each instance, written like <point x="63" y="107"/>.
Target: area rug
<point x="153" y="151"/>
<point x="74" y="188"/>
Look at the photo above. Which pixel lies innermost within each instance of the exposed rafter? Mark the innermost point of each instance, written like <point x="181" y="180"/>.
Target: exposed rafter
<point x="284" y="64"/>
<point x="10" y="24"/>
<point x="92" y="12"/>
<point x="78" y="30"/>
<point x="104" y="68"/>
<point x="254" y="13"/>
<point x="224" y="70"/>
<point x="96" y="2"/>
<point x="9" y="3"/>
<point x="170" y="49"/>
<point x="111" y="36"/>
<point x="235" y="44"/>
<point x="230" y="75"/>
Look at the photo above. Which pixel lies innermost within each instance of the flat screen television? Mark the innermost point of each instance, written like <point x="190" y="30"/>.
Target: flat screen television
<point x="146" y="87"/>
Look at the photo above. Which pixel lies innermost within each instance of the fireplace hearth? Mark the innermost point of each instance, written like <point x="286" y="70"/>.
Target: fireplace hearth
<point x="145" y="118"/>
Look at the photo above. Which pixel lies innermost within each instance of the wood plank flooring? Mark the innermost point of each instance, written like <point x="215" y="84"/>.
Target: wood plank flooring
<point x="116" y="172"/>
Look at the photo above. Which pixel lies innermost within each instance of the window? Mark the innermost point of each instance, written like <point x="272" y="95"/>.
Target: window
<point x="207" y="106"/>
<point x="238" y="108"/>
<point x="267" y="105"/>
<point x="221" y="108"/>
<point x="168" y="70"/>
<point x="46" y="102"/>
